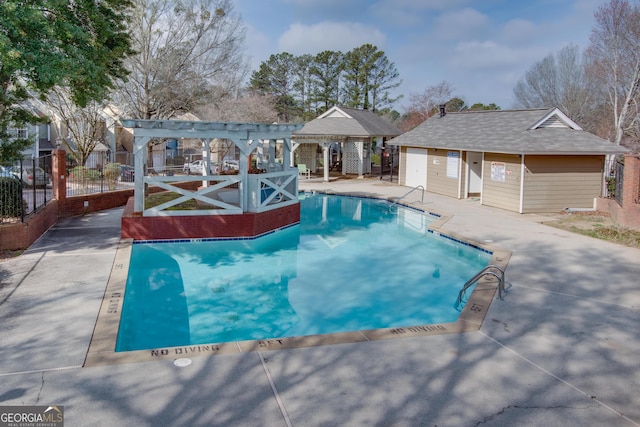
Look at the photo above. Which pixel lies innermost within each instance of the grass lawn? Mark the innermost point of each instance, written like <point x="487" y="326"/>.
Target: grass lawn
<point x="597" y="225"/>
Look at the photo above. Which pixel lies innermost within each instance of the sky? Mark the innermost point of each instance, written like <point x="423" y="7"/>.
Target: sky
<point x="480" y="47"/>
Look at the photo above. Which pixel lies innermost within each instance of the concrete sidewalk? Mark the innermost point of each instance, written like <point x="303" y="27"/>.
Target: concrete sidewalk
<point x="561" y="349"/>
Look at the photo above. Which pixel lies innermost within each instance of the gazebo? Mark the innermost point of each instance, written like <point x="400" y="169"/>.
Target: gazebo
<point x="218" y="196"/>
<point x="346" y="137"/>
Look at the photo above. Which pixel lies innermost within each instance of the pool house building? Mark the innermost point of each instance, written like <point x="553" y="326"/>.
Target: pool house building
<point x="525" y="161"/>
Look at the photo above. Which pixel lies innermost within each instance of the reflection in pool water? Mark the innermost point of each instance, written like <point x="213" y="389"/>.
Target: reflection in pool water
<point x="351" y="264"/>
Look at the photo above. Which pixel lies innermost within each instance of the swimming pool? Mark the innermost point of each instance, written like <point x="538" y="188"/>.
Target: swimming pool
<point x="351" y="264"/>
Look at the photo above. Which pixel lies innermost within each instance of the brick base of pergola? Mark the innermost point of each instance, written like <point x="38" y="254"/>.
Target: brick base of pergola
<point x="248" y="224"/>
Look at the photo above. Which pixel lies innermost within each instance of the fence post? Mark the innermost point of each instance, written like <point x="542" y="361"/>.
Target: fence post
<point x="59" y="176"/>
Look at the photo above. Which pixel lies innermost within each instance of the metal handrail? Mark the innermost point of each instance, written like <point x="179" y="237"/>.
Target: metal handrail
<point x="407" y="193"/>
<point x="485" y="271"/>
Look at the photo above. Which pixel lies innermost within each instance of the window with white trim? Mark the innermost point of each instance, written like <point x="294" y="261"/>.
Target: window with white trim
<point x="21" y="133"/>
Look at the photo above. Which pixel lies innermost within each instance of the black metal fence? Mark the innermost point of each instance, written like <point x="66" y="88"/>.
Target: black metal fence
<point x="619" y="181"/>
<point x="98" y="174"/>
<point x="25" y="187"/>
<point x="389" y="164"/>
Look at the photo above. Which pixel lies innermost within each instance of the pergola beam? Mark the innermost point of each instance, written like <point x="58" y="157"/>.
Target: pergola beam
<point x="209" y="130"/>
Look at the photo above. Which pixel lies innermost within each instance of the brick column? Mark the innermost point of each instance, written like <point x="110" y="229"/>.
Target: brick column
<point x="631" y="183"/>
<point x="59" y="176"/>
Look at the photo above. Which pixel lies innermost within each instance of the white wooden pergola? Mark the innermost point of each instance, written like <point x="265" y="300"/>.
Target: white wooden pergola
<point x="225" y="194"/>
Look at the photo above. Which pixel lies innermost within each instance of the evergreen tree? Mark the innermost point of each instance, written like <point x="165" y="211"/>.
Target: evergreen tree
<point x="383" y="78"/>
<point x="368" y="78"/>
<point x="326" y="70"/>
<point x="276" y="77"/>
<point x="354" y="93"/>
<point x="305" y="85"/>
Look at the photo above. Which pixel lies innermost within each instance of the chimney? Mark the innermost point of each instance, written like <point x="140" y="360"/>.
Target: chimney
<point x="443" y="110"/>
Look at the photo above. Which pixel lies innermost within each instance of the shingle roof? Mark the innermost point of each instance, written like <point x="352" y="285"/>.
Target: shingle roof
<point x="352" y="123"/>
<point x="506" y="131"/>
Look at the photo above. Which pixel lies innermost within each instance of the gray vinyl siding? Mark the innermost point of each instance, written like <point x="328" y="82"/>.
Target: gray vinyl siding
<point x="437" y="180"/>
<point x="553" y="183"/>
<point x="504" y="195"/>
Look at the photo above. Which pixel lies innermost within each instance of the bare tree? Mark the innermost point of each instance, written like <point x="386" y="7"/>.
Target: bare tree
<point x="81" y="129"/>
<point x="189" y="52"/>
<point x="249" y="107"/>
<point x="562" y="81"/>
<point x="423" y="105"/>
<point x="615" y="54"/>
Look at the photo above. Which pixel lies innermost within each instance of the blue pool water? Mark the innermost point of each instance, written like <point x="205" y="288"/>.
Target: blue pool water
<point x="351" y="264"/>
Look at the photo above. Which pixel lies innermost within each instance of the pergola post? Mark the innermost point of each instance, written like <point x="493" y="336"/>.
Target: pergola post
<point x="206" y="159"/>
<point x="140" y="160"/>
<point x="294" y="147"/>
<point x="325" y="156"/>
<point x="272" y="155"/>
<point x="287" y="153"/>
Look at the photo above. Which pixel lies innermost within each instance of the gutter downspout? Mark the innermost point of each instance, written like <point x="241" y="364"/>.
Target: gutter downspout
<point x="522" y="171"/>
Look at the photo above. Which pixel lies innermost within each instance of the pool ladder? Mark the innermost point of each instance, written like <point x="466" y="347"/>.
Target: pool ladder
<point x="490" y="271"/>
<point x="407" y="193"/>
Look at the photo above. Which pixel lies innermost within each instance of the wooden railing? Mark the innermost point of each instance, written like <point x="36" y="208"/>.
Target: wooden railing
<point x="226" y="194"/>
<point x="219" y="195"/>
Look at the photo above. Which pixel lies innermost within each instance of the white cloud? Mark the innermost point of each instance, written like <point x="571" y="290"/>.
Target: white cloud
<point x="486" y="71"/>
<point x="406" y="13"/>
<point x="257" y="44"/>
<point x="463" y="23"/>
<point x="339" y="36"/>
<point x="482" y="55"/>
<point x="519" y="31"/>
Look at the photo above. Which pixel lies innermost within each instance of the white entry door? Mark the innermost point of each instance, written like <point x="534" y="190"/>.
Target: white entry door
<point x="416" y="167"/>
<point x="474" y="160"/>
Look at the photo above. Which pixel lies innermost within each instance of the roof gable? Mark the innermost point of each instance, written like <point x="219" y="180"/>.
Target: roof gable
<point x="555" y="119"/>
<point x="335" y="112"/>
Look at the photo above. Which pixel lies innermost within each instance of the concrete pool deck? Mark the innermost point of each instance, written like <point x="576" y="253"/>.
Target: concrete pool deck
<point x="561" y="349"/>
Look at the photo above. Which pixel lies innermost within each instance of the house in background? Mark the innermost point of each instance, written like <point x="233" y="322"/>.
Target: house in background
<point x="48" y="135"/>
<point x="524" y="161"/>
<point x="346" y="137"/>
<point x="39" y="133"/>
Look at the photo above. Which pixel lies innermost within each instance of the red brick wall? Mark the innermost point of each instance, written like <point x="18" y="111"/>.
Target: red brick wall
<point x="75" y="205"/>
<point x="21" y="235"/>
<point x="628" y="214"/>
<point x="208" y="226"/>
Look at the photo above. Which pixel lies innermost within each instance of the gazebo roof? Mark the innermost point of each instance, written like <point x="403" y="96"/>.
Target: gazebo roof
<point x="341" y="123"/>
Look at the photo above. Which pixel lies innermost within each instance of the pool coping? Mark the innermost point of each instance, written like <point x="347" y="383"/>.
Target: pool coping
<point x="102" y="352"/>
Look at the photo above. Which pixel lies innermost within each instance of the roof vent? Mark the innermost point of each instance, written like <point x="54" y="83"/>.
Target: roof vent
<point x="443" y="109"/>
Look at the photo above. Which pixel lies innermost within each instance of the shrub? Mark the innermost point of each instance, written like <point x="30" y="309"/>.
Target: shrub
<point x="177" y="161"/>
<point x="611" y="186"/>
<point x="11" y="204"/>
<point x="111" y="173"/>
<point x="83" y="173"/>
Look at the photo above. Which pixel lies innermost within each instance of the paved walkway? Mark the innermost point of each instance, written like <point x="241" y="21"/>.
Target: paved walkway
<point x="562" y="349"/>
